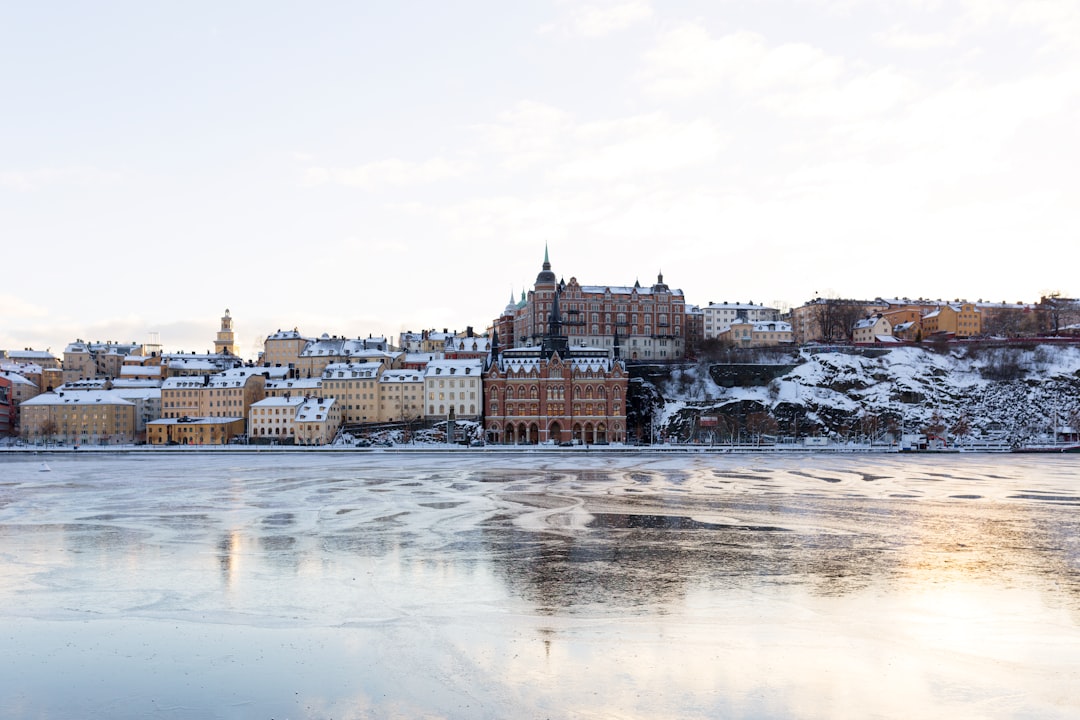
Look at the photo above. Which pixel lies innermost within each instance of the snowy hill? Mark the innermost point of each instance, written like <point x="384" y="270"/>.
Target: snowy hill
<point x="1002" y="393"/>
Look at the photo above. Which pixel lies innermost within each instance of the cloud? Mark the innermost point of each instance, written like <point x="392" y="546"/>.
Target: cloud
<point x="31" y="180"/>
<point x="541" y="138"/>
<point x="791" y="78"/>
<point x="903" y="39"/>
<point x="392" y="172"/>
<point x="599" y="19"/>
<point x="636" y="147"/>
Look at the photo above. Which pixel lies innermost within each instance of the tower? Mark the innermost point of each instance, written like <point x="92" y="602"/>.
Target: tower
<point x="225" y="344"/>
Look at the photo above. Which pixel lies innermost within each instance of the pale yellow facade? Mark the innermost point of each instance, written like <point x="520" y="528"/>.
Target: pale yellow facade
<point x="194" y="431"/>
<point x="78" y="418"/>
<point x="401" y="395"/>
<point x="228" y="394"/>
<point x="317" y="422"/>
<point x="960" y="319"/>
<point x="355" y="387"/>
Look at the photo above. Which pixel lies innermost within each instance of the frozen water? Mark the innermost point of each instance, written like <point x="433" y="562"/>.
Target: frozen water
<point x="539" y="585"/>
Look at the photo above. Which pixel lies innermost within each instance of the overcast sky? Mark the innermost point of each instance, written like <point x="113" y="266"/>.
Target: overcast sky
<point x="356" y="168"/>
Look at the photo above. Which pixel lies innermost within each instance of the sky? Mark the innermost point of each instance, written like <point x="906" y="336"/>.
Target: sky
<point x="367" y="168"/>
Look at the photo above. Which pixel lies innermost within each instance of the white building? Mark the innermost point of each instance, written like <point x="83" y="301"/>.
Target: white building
<point x="720" y="316"/>
<point x="274" y="418"/>
<point x="456" y="384"/>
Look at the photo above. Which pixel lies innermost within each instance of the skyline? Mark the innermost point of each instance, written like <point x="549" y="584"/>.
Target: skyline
<point x="357" y="170"/>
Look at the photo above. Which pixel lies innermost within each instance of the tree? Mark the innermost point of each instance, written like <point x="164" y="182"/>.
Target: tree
<point x="1057" y="312"/>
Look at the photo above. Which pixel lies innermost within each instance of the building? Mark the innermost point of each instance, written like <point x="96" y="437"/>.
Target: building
<point x="747" y="334"/>
<point x="225" y="342"/>
<point x="355" y="386"/>
<point x="8" y="406"/>
<point x="19" y="389"/>
<point x="718" y="317"/>
<point x="961" y="319"/>
<point x="274" y="419"/>
<point x="831" y="319"/>
<point x="85" y="361"/>
<point x="317" y="421"/>
<point x="283" y="348"/>
<point x="646" y="322"/>
<point x="42" y="358"/>
<point x="554" y="392"/>
<point x="329" y="350"/>
<point x="88" y="417"/>
<point x="197" y="364"/>
<point x="194" y="430"/>
<point x="874" y="329"/>
<point x="401" y="395"/>
<point x="227" y="394"/>
<point x="454" y="384"/>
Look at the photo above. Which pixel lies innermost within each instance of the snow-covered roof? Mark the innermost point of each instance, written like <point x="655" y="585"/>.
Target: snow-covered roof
<point x="279" y="402"/>
<point x="137" y="384"/>
<point x="25" y="368"/>
<point x="293" y="334"/>
<point x="82" y="397"/>
<point x="16" y="378"/>
<point x="335" y="371"/>
<point x="195" y="421"/>
<point x="30" y="355"/>
<point x="468" y="344"/>
<point x="327" y="346"/>
<point x="454" y="367"/>
<point x="414" y="358"/>
<point x="294" y="384"/>
<point x="402" y="376"/>
<point x="623" y="290"/>
<point x="314" y="410"/>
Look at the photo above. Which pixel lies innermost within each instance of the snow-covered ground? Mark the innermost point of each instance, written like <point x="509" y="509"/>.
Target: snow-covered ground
<point x="1015" y="394"/>
<point x="574" y="586"/>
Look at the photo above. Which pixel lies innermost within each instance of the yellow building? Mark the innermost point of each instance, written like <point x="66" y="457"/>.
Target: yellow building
<point x="958" y="319"/>
<point x="274" y="418"/>
<point x="283" y="348"/>
<point x="225" y="343"/>
<point x="194" y="431"/>
<point x="757" y="334"/>
<point x="355" y="386"/>
<point x="227" y="394"/>
<point x="317" y="421"/>
<point x="88" y="417"/>
<point x="872" y="329"/>
<point x="401" y="395"/>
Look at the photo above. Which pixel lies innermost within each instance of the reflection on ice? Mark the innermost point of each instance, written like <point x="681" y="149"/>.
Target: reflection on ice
<point x="539" y="585"/>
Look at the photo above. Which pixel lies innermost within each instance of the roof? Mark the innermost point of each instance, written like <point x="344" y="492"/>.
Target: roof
<point x="79" y="397"/>
<point x="314" y="410"/>
<point x="278" y="402"/>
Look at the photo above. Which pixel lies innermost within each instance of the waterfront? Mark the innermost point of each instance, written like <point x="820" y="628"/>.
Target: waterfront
<point x="546" y="585"/>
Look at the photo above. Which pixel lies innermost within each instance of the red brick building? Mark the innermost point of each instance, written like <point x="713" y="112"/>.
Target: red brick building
<point x="555" y="392"/>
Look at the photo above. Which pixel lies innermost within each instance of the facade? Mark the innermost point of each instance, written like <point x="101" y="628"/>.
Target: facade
<point x="872" y="329"/>
<point x="194" y="431"/>
<point x="89" y="417"/>
<point x="317" y="421"/>
<point x="283" y="348"/>
<point x="694" y="328"/>
<point x="742" y="333"/>
<point x="41" y="358"/>
<point x="228" y="394"/>
<point x="7" y="406"/>
<point x="554" y="392"/>
<point x="85" y="361"/>
<point x="646" y="322"/>
<point x="401" y="395"/>
<point x="831" y="319"/>
<point x="274" y="418"/>
<point x="19" y="390"/>
<point x="225" y="342"/>
<point x="355" y="387"/>
<point x="454" y="385"/>
<point x="957" y="319"/>
<point x="197" y="364"/>
<point x="327" y="350"/>
<point x="718" y="317"/>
